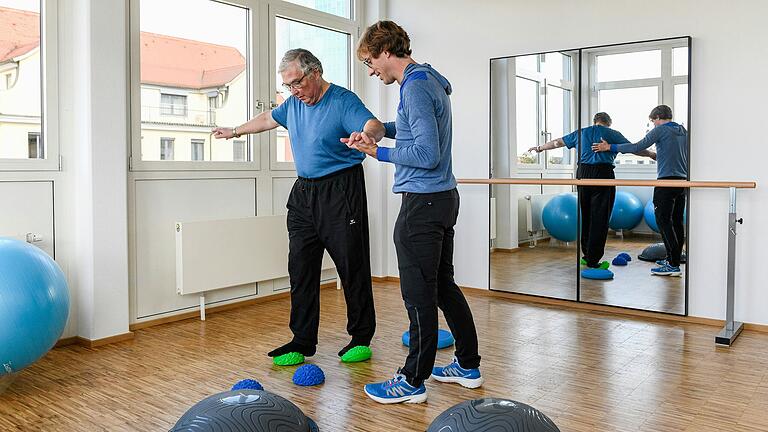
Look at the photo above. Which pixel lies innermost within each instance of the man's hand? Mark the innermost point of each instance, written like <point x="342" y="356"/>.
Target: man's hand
<point x="361" y="142"/>
<point x="536" y="149"/>
<point x="222" y="132"/>
<point x="601" y="146"/>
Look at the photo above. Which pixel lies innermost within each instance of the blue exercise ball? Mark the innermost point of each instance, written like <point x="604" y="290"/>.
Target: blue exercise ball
<point x="627" y="211"/>
<point x="559" y="217"/>
<point x="650" y="216"/>
<point x="34" y="304"/>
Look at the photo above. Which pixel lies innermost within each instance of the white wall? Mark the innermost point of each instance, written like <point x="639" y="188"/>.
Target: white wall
<point x="459" y="37"/>
<point x="91" y="205"/>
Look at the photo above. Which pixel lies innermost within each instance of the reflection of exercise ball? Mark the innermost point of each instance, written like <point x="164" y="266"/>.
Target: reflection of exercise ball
<point x="559" y="217"/>
<point x="491" y="414"/>
<point x="34" y="304"/>
<point x="627" y="211"/>
<point x="245" y="411"/>
<point x="650" y="216"/>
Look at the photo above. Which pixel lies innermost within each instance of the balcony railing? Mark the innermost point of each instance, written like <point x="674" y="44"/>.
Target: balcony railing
<point x="177" y="116"/>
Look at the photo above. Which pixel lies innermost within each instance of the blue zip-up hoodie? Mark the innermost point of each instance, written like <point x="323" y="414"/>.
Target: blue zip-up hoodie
<point x="422" y="132"/>
<point x="671" y="141"/>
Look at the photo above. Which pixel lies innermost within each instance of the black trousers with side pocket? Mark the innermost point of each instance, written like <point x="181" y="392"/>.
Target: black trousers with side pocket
<point x="330" y="213"/>
<point x="423" y="237"/>
<point x="669" y="209"/>
<point x="596" y="205"/>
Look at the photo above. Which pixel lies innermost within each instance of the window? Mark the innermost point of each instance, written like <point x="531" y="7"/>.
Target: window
<point x="544" y="107"/>
<point x="198" y="149"/>
<point x="629" y="109"/>
<point x="27" y="84"/>
<point x="527" y="119"/>
<point x="680" y="61"/>
<point x="188" y="78"/>
<point x="35" y="146"/>
<point x="559" y="116"/>
<point x="331" y="47"/>
<point x="340" y="8"/>
<point x="629" y="66"/>
<point x="681" y="104"/>
<point x="173" y="105"/>
<point x="628" y="85"/>
<point x="166" y="148"/>
<point x="239" y="151"/>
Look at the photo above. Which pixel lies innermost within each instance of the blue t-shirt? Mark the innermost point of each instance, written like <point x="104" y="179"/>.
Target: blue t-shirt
<point x="315" y="131"/>
<point x="593" y="134"/>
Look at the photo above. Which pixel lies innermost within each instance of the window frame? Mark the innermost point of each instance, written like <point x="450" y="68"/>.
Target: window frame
<point x="173" y="107"/>
<point x="261" y="53"/>
<point x="312" y="17"/>
<point x="543" y="82"/>
<point x="49" y="97"/>
<point x="252" y="68"/>
<point x="193" y="142"/>
<point x="667" y="80"/>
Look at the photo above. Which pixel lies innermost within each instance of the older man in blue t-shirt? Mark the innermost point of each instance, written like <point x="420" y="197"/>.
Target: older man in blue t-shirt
<point x="595" y="202"/>
<point x="327" y="207"/>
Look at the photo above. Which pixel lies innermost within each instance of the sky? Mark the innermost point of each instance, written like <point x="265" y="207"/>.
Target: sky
<point x="200" y="20"/>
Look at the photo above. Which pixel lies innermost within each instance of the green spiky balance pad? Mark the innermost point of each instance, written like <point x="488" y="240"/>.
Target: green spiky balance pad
<point x="604" y="265"/>
<point x="357" y="354"/>
<point x="289" y="359"/>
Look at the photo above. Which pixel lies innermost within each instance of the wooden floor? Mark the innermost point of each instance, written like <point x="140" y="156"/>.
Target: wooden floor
<point x="550" y="271"/>
<point x="587" y="371"/>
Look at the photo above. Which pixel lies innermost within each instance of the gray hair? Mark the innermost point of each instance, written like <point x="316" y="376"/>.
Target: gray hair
<point x="307" y="61"/>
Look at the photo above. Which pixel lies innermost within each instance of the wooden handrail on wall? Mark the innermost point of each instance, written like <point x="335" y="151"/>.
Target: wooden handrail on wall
<point x="612" y="182"/>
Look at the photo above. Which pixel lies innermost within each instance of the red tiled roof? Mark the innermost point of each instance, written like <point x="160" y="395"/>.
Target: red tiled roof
<point x="165" y="60"/>
<point x="176" y="62"/>
<point x="19" y="32"/>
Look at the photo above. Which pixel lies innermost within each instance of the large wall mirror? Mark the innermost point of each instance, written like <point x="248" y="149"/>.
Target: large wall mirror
<point x="586" y="113"/>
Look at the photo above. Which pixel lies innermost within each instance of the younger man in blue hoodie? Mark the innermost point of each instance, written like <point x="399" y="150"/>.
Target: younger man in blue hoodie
<point x="671" y="141"/>
<point x="424" y="230"/>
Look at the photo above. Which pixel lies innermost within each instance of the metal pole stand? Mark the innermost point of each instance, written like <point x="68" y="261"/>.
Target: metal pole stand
<point x="732" y="328"/>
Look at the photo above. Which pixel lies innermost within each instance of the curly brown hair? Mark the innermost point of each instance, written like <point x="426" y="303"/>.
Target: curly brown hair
<point x="384" y="36"/>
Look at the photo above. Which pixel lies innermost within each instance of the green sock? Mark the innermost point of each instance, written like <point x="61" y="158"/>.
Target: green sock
<point x="357" y="354"/>
<point x="289" y="359"/>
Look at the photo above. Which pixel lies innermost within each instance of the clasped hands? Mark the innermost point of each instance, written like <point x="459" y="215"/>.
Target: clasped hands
<point x="361" y="142"/>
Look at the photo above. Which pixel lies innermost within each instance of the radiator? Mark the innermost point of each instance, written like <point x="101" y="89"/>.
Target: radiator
<point x="532" y="206"/>
<point x="218" y="254"/>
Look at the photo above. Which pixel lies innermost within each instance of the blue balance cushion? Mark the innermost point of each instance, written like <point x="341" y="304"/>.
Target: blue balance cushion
<point x="599" y="274"/>
<point x="444" y="338"/>
<point x="247" y="384"/>
<point x="308" y="375"/>
<point x="619" y="261"/>
<point x="626" y="256"/>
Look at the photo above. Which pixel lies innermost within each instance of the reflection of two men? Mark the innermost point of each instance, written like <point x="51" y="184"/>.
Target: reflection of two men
<point x="671" y="141"/>
<point x="595" y="202"/>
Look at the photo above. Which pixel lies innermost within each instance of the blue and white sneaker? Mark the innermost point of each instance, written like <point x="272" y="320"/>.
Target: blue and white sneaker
<point x="454" y="373"/>
<point x="661" y="262"/>
<point x="666" y="270"/>
<point x="396" y="390"/>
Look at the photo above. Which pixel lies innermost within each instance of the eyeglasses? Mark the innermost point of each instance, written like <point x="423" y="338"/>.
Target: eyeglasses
<point x="295" y="85"/>
<point x="367" y="62"/>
